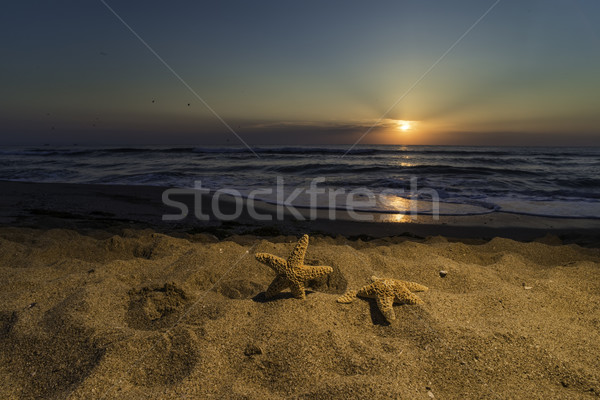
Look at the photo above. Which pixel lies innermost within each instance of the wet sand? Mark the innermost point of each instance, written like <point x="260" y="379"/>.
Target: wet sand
<point x="85" y="207"/>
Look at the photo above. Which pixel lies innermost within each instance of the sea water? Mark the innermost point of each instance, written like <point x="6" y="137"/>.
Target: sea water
<point x="546" y="181"/>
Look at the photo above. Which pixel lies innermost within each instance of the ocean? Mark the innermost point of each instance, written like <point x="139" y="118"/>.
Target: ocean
<point x="544" y="181"/>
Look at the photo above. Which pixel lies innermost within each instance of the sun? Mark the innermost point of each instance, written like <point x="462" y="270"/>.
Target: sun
<point x="403" y="125"/>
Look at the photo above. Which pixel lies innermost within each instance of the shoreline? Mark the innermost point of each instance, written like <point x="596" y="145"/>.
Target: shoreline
<point x="93" y="206"/>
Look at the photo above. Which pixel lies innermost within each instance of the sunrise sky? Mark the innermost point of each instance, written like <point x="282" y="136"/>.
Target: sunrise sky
<point x="301" y="72"/>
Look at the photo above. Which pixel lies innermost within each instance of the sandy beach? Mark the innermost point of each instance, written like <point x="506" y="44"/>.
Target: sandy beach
<point x="300" y="200"/>
<point x="105" y="301"/>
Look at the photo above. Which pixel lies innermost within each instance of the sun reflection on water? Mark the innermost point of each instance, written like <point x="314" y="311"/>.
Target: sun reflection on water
<point x="400" y="206"/>
<point x="397" y="218"/>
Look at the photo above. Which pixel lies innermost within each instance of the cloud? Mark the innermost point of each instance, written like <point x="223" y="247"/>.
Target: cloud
<point x="312" y="132"/>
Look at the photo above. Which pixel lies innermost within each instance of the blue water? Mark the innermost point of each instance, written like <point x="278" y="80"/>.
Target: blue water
<point x="558" y="182"/>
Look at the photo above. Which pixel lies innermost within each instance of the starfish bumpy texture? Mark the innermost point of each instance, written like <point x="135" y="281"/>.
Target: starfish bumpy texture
<point x="292" y="272"/>
<point x="386" y="292"/>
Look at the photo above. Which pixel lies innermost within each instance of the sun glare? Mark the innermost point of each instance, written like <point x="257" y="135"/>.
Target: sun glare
<point x="404" y="125"/>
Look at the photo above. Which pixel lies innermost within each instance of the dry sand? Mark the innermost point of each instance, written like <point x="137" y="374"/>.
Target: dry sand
<point x="140" y="314"/>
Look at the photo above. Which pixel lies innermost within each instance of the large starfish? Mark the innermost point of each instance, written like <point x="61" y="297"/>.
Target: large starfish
<point x="292" y="272"/>
<point x="386" y="292"/>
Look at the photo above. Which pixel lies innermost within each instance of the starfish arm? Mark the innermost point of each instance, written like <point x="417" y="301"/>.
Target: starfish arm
<point x="415" y="287"/>
<point x="348" y="297"/>
<point x="278" y="264"/>
<point x="307" y="272"/>
<point x="279" y="283"/>
<point x="406" y="296"/>
<point x="385" y="304"/>
<point x="297" y="256"/>
<point x="297" y="289"/>
<point x="370" y="291"/>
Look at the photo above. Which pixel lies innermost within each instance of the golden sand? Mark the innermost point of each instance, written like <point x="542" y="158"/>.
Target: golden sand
<point x="144" y="315"/>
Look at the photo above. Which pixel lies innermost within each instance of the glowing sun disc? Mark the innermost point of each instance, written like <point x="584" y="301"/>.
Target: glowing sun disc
<point x="404" y="125"/>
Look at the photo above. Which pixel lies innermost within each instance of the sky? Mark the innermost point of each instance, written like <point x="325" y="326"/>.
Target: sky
<point x="478" y="72"/>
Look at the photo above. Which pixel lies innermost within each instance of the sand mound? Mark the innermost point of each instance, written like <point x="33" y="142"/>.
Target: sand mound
<point x="155" y="308"/>
<point x="146" y="315"/>
<point x="53" y="358"/>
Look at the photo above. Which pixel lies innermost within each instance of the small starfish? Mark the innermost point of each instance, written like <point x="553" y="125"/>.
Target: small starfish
<point x="292" y="272"/>
<point x="386" y="292"/>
